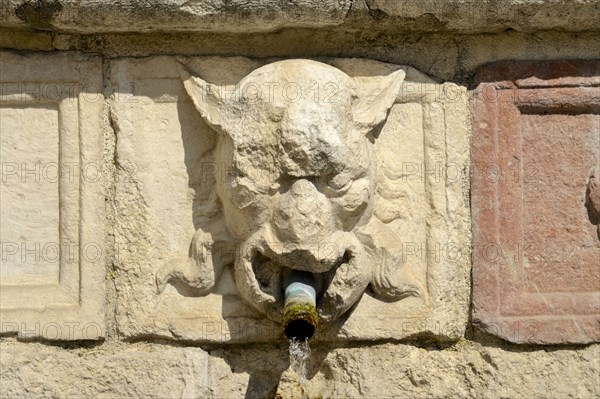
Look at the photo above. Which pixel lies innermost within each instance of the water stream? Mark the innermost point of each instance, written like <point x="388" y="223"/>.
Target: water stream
<point x="299" y="354"/>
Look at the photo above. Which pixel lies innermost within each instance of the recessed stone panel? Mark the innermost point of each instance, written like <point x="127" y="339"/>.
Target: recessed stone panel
<point x="29" y="132"/>
<point x="536" y="153"/>
<point x="51" y="205"/>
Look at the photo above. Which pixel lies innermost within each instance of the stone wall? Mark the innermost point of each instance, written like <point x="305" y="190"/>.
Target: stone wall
<point x="464" y="370"/>
<point x="471" y="268"/>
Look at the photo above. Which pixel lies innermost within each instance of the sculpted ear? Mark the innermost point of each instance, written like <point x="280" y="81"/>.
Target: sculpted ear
<point x="220" y="113"/>
<point x="375" y="101"/>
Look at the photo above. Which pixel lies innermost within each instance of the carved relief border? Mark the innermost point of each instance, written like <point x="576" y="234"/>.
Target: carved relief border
<point x="506" y="302"/>
<point x="67" y="306"/>
<point x="434" y="117"/>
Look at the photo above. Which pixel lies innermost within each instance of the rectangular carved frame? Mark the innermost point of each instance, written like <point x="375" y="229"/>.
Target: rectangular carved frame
<point x="506" y="91"/>
<point x="72" y="308"/>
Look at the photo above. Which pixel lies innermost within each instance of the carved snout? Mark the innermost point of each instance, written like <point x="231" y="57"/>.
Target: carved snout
<point x="303" y="214"/>
<point x="592" y="202"/>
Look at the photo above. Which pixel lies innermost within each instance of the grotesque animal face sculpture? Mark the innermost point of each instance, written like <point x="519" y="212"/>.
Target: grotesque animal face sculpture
<point x="296" y="140"/>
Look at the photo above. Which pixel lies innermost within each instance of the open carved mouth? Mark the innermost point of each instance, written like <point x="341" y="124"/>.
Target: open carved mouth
<point x="263" y="274"/>
<point x="273" y="277"/>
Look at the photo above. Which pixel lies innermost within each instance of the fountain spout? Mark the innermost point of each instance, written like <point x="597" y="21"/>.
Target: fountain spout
<point x="300" y="313"/>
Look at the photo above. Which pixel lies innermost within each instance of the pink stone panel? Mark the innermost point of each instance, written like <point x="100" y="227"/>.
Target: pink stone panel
<point x="536" y="159"/>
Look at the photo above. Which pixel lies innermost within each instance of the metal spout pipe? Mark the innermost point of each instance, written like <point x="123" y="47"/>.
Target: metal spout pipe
<point x="300" y="311"/>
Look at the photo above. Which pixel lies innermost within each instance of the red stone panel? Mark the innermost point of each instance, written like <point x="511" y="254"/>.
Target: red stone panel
<point x="535" y="194"/>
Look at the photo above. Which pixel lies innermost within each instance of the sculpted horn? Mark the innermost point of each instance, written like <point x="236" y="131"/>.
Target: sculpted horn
<point x="374" y="105"/>
<point x="222" y="113"/>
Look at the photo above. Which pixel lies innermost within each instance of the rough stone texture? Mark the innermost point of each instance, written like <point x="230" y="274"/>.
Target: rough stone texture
<point x="447" y="57"/>
<point x="119" y="371"/>
<point x="536" y="144"/>
<point x="90" y="16"/>
<point x="415" y="173"/>
<point x="465" y="370"/>
<point x="52" y="204"/>
<point x="491" y="16"/>
<point x="593" y="198"/>
<point x="426" y="40"/>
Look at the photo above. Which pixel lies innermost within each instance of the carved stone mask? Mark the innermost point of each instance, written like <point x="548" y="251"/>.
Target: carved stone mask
<point x="295" y="138"/>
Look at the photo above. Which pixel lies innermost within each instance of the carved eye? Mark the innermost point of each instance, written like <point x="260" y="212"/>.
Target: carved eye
<point x="239" y="192"/>
<point x="340" y="183"/>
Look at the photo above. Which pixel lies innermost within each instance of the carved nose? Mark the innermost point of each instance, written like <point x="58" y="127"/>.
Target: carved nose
<point x="302" y="214"/>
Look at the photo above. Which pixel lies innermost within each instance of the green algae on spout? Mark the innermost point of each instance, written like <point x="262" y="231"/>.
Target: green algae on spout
<point x="300" y="317"/>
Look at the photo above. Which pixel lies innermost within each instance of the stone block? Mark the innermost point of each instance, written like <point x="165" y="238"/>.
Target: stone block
<point x="249" y="16"/>
<point x="169" y="210"/>
<point x="152" y="370"/>
<point x="52" y="202"/>
<point x="535" y="154"/>
<point x="173" y="15"/>
<point x="37" y="370"/>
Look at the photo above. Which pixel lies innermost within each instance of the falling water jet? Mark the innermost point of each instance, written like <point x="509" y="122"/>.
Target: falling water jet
<point x="300" y="321"/>
<point x="299" y="354"/>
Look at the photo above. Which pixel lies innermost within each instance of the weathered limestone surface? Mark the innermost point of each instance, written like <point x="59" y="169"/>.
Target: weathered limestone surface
<point x="174" y="191"/>
<point x="464" y="370"/>
<point x="92" y="16"/>
<point x="536" y="150"/>
<point x="52" y="226"/>
<point x="492" y="16"/>
<point x="100" y="372"/>
<point x="447" y="57"/>
<point x="447" y="40"/>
